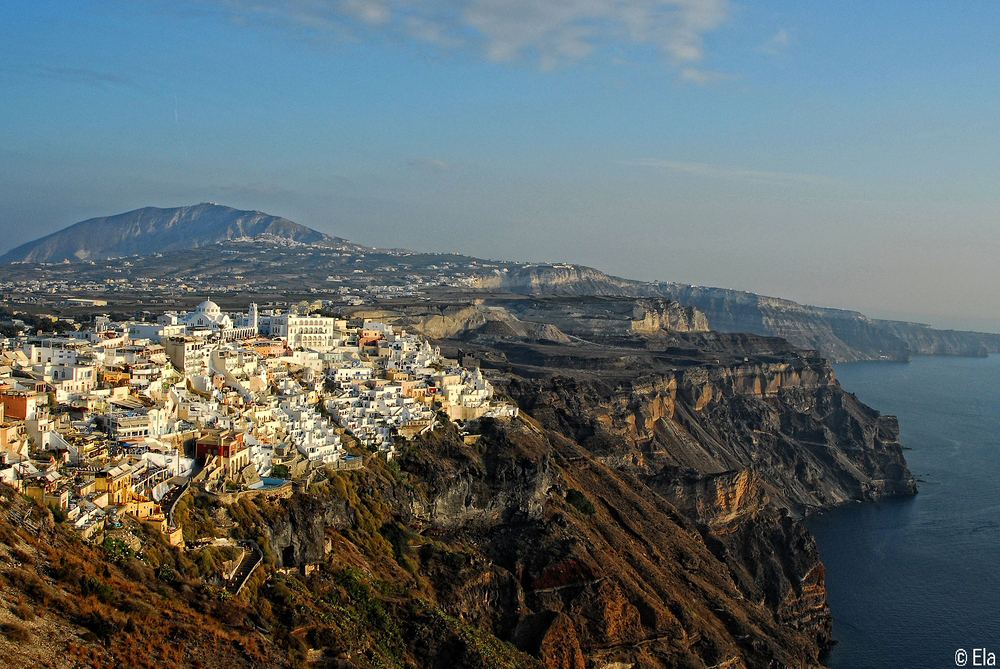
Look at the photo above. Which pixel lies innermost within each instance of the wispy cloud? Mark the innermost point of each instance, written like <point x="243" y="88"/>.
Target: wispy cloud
<point x="734" y="173"/>
<point x="78" y="75"/>
<point x="703" y="77"/>
<point x="777" y="44"/>
<point x="548" y="33"/>
<point x="429" y="165"/>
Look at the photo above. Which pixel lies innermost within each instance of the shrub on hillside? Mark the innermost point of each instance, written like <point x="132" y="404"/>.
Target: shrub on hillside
<point x="579" y="501"/>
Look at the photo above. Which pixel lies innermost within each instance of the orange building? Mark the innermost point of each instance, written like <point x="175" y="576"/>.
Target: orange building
<point x="21" y="405"/>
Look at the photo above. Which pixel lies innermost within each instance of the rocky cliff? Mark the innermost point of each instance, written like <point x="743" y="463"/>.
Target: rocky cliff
<point x="527" y="537"/>
<point x="552" y="319"/>
<point x="641" y="512"/>
<point x="787" y="420"/>
<point x="841" y="335"/>
<point x="925" y="340"/>
<point x="563" y="279"/>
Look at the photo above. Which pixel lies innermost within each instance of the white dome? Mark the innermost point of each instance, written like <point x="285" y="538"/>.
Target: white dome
<point x="208" y="307"/>
<point x="208" y="314"/>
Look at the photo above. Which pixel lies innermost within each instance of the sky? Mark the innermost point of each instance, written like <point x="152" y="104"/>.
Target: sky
<point x="840" y="154"/>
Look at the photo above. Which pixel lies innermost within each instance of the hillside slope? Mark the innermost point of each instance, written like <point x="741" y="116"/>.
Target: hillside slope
<point x="640" y="511"/>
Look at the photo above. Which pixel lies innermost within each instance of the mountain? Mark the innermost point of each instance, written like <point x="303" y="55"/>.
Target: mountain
<point x="153" y="230"/>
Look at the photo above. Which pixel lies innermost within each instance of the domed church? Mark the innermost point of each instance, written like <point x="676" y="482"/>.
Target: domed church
<point x="207" y="316"/>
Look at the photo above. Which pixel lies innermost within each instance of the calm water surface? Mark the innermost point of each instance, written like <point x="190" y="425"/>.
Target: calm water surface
<point x="911" y="581"/>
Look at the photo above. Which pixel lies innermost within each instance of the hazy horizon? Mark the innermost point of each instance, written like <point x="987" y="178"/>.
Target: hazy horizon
<point x="835" y="156"/>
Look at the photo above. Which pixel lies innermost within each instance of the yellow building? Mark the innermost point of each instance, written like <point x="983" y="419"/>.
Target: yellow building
<point x="117" y="482"/>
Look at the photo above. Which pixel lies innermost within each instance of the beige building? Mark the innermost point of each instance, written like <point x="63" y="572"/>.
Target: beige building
<point x="186" y="354"/>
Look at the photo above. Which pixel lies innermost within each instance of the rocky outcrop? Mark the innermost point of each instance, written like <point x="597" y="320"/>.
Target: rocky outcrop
<point x="298" y="535"/>
<point x="604" y="318"/>
<point x="551" y="637"/>
<point x="477" y="320"/>
<point x="556" y="320"/>
<point x="657" y="315"/>
<point x="633" y="581"/>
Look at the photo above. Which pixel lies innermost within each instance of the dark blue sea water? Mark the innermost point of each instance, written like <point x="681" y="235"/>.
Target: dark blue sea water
<point x="911" y="581"/>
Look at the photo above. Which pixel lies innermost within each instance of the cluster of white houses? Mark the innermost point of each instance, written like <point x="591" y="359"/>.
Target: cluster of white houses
<point x="106" y="418"/>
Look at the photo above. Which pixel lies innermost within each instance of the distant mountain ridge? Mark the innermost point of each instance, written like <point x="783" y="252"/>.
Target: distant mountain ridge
<point x="839" y="334"/>
<point x="154" y="230"/>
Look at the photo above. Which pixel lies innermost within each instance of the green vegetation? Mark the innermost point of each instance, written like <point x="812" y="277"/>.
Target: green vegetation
<point x="166" y="573"/>
<point x="370" y="511"/>
<point x="399" y="539"/>
<point x="452" y="559"/>
<point x="116" y="551"/>
<point x="92" y="586"/>
<point x="580" y="502"/>
<point x="481" y="649"/>
<point x="367" y="618"/>
<point x="193" y="515"/>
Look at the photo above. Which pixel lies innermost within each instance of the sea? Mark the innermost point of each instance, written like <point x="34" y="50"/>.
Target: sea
<point x="915" y="583"/>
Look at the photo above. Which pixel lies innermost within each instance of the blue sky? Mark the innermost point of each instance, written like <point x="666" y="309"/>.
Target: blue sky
<point x="844" y="155"/>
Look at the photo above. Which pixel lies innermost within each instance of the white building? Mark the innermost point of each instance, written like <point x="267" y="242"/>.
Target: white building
<point x="313" y="332"/>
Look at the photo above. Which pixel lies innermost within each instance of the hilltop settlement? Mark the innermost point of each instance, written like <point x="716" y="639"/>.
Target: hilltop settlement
<point x="122" y="418"/>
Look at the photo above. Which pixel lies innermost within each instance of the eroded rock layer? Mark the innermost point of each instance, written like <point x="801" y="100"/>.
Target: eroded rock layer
<point x="643" y="510"/>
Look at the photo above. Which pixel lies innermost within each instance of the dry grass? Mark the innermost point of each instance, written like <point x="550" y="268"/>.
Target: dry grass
<point x="23" y="611"/>
<point x="16" y="632"/>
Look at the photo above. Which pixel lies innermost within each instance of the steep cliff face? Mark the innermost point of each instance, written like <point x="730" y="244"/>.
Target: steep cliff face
<point x="629" y="580"/>
<point x="600" y="318"/>
<point x="925" y="340"/>
<point x="771" y="557"/>
<point x="641" y="520"/>
<point x="788" y="421"/>
<point x="642" y="511"/>
<point x="841" y="335"/>
<point x="656" y="315"/>
<point x="562" y="279"/>
<point x="298" y="535"/>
